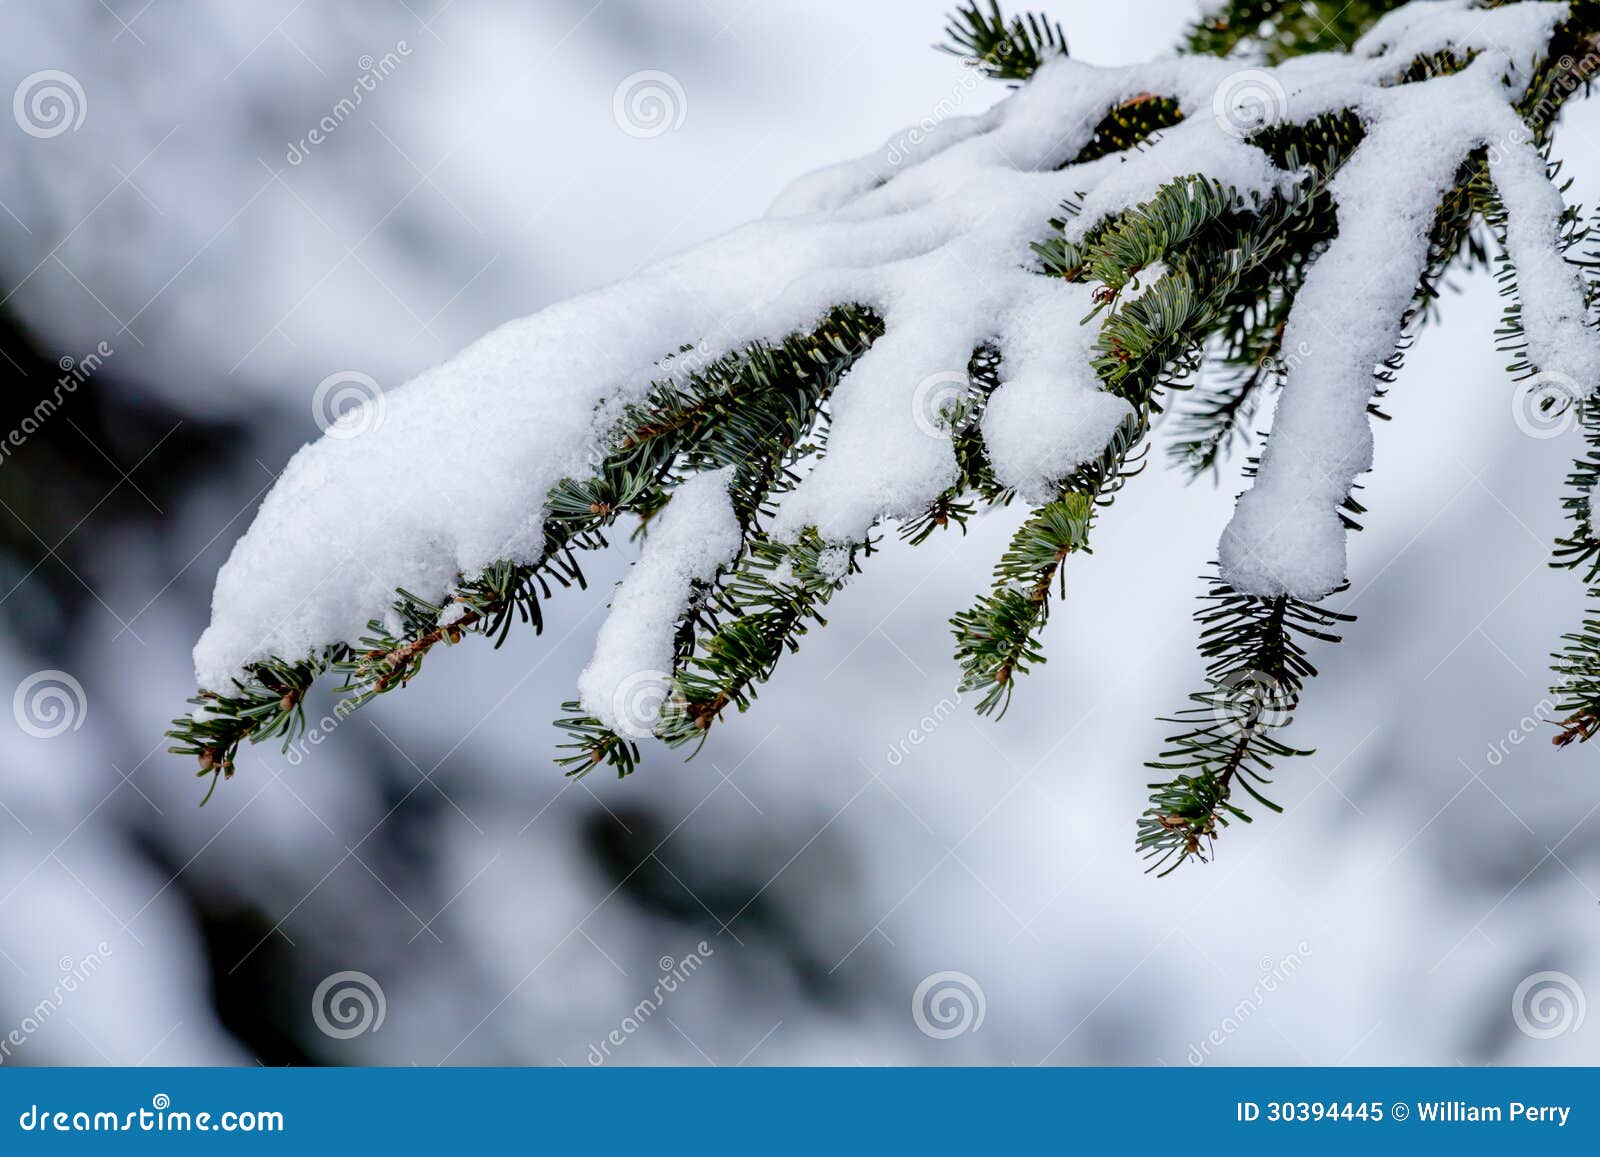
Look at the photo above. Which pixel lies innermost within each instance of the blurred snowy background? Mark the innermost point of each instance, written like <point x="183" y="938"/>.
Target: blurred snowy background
<point x="813" y="866"/>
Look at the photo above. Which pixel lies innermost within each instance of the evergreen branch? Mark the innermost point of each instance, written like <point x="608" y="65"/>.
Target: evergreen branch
<point x="1216" y="415"/>
<point x="266" y="704"/>
<point x="1195" y="275"/>
<point x="1256" y="669"/>
<point x="1130" y="124"/>
<point x="1273" y="31"/>
<point x="772" y="597"/>
<point x="1257" y="664"/>
<point x="997" y="638"/>
<point x="1579" y="549"/>
<point x="1003" y="50"/>
<point x="1577" y="665"/>
<point x="717" y="413"/>
<point x="1137" y="239"/>
<point x="762" y="430"/>
<point x="976" y="476"/>
<point x="1147" y="343"/>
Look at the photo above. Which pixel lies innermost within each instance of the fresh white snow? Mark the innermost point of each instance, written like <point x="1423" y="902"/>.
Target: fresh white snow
<point x="695" y="535"/>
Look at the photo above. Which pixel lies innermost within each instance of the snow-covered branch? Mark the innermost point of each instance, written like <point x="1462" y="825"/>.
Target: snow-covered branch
<point x="992" y="308"/>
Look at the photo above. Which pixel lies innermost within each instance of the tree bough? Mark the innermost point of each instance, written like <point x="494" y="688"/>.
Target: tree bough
<point x="995" y="314"/>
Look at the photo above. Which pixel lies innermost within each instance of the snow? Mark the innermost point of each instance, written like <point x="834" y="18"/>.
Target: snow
<point x="1562" y="338"/>
<point x="833" y="564"/>
<point x="1286" y="536"/>
<point x="934" y="234"/>
<point x="1049" y="413"/>
<point x="695" y="535"/>
<point x="1196" y="145"/>
<point x="1519" y="31"/>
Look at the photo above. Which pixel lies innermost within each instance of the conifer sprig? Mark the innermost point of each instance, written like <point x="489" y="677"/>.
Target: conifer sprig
<point x="1577" y="664"/>
<point x="763" y="430"/>
<point x="732" y="410"/>
<point x="1005" y="50"/>
<point x="1148" y="345"/>
<point x="1256" y="669"/>
<point x="1273" y="31"/>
